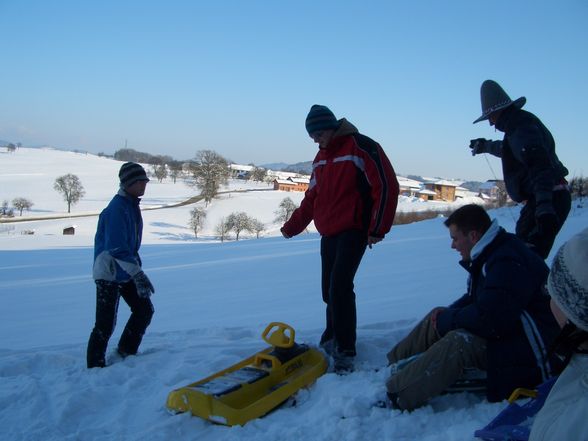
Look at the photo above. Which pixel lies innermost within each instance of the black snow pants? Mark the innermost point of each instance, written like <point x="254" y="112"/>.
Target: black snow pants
<point x="341" y="255"/>
<point x="108" y="295"/>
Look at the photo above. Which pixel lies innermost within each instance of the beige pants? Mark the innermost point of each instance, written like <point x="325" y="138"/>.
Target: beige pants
<point x="442" y="362"/>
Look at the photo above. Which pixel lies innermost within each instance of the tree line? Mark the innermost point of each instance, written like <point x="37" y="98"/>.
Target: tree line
<point x="239" y="222"/>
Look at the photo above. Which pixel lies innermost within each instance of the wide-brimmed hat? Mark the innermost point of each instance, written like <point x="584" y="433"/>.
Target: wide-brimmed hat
<point x="493" y="98"/>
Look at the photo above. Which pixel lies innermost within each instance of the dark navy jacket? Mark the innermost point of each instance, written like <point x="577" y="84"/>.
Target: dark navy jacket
<point x="530" y="166"/>
<point x="507" y="305"/>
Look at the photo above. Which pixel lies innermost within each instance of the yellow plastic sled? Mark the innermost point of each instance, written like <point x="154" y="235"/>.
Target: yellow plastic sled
<point x="256" y="385"/>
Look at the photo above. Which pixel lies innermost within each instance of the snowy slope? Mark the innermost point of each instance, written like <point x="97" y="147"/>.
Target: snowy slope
<point x="212" y="302"/>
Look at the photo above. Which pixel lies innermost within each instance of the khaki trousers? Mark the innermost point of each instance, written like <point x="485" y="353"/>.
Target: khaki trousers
<point x="442" y="362"/>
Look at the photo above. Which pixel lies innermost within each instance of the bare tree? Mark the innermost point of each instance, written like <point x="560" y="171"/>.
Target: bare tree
<point x="239" y="222"/>
<point x="21" y="204"/>
<point x="175" y="170"/>
<point x="257" y="227"/>
<point x="258" y="174"/>
<point x="285" y="210"/>
<point x="5" y="211"/>
<point x="11" y="147"/>
<point x="197" y="216"/>
<point x="578" y="187"/>
<point x="160" y="171"/>
<point x="501" y="194"/>
<point x="71" y="189"/>
<point x="210" y="171"/>
<point x="222" y="229"/>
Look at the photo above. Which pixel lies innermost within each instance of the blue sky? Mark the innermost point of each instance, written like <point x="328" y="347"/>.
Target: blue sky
<point x="238" y="77"/>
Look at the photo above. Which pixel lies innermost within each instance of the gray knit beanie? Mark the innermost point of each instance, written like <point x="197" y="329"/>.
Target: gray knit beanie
<point x="320" y="118"/>
<point x="568" y="280"/>
<point x="131" y="172"/>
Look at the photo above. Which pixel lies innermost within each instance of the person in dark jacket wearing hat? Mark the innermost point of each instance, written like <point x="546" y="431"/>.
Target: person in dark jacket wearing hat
<point x="117" y="269"/>
<point x="532" y="171"/>
<point x="352" y="199"/>
<point x="502" y="325"/>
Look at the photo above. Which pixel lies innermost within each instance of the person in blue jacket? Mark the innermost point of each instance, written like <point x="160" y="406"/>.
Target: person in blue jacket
<point x="502" y="325"/>
<point x="118" y="270"/>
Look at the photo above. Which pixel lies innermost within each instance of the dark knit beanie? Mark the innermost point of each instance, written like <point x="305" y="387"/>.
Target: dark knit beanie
<point x="131" y="172"/>
<point x="568" y="279"/>
<point x="320" y="118"/>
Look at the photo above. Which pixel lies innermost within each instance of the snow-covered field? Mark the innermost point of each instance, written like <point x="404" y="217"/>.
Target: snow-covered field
<point x="212" y="302"/>
<point x="30" y="173"/>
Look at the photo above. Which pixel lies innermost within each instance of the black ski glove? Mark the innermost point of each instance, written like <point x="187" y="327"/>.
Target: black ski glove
<point x="143" y="284"/>
<point x="479" y="145"/>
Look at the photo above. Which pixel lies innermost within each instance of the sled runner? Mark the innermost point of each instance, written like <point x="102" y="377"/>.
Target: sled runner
<point x="256" y="385"/>
<point x="515" y="421"/>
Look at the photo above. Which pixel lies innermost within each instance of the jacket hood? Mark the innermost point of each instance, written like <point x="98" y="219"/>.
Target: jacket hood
<point x="345" y="129"/>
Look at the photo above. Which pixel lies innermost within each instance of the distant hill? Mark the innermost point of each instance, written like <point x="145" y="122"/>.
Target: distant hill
<point x="275" y="165"/>
<point x="472" y="185"/>
<point x="304" y="168"/>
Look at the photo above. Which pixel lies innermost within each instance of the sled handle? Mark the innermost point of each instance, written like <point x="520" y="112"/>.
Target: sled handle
<point x="521" y="392"/>
<point x="282" y="337"/>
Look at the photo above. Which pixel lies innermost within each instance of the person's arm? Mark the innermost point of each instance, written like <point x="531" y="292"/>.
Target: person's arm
<point x="483" y="145"/>
<point x="383" y="192"/>
<point x="499" y="302"/>
<point x="302" y="216"/>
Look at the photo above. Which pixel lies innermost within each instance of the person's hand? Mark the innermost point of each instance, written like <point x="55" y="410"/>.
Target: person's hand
<point x="284" y="234"/>
<point x="434" y="314"/>
<point x="372" y="240"/>
<point x="479" y="145"/>
<point x="144" y="286"/>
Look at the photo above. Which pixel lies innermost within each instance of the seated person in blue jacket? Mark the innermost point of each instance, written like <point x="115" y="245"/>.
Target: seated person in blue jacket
<point x="563" y="415"/>
<point x="117" y="269"/>
<point x="502" y="325"/>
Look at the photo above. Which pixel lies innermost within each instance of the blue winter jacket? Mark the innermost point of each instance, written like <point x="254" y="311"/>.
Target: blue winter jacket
<point x="506" y="304"/>
<point x="117" y="240"/>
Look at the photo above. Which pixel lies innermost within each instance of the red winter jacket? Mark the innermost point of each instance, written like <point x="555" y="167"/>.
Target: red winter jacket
<point x="353" y="187"/>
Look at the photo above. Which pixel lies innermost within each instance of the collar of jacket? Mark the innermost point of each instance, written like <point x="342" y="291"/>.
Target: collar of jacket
<point x="483" y="247"/>
<point x="124" y="194"/>
<point x="345" y="129"/>
<point x="507" y="117"/>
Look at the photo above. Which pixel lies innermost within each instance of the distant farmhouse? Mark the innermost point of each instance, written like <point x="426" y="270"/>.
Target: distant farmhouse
<point x="409" y="187"/>
<point x="491" y="189"/>
<point x="299" y="183"/>
<point x="429" y="189"/>
<point x="241" y="171"/>
<point x="439" y="190"/>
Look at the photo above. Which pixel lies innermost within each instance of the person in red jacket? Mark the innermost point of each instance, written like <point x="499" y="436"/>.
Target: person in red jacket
<point x="352" y="199"/>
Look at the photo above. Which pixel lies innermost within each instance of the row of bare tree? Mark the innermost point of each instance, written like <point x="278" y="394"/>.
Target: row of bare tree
<point x="238" y="222"/>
